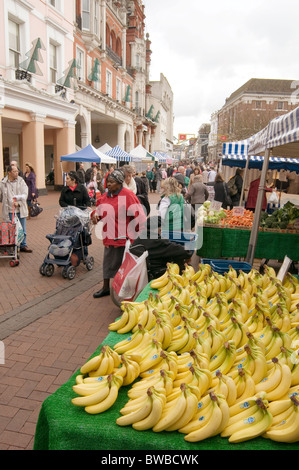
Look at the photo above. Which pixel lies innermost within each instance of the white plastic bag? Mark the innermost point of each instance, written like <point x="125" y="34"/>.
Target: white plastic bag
<point x="132" y="276"/>
<point x="273" y="198"/>
<point x="19" y="231"/>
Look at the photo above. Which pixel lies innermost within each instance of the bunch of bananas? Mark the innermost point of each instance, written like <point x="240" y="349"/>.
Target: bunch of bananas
<point x="248" y="419"/>
<point x="207" y="354"/>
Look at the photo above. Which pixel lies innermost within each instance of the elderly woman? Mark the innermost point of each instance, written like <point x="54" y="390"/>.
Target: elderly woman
<point x="198" y="192"/>
<point x="122" y="217"/>
<point x="74" y="193"/>
<point x="129" y="182"/>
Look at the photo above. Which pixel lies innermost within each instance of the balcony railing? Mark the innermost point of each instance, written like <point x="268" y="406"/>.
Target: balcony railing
<point x="23" y="75"/>
<point x="114" y="56"/>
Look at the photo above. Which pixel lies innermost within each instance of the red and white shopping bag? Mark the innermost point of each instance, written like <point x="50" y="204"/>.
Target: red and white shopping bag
<point x="132" y="276"/>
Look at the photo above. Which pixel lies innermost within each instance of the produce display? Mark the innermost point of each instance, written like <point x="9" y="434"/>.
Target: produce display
<point x="281" y="219"/>
<point x="206" y="354"/>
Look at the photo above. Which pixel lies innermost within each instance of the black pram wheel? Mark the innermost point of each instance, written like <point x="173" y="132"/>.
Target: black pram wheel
<point x="42" y="269"/>
<point x="89" y="263"/>
<point x="71" y="272"/>
<point x="49" y="270"/>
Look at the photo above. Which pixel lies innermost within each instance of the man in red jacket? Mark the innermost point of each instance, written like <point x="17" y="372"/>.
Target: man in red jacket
<point x="123" y="217"/>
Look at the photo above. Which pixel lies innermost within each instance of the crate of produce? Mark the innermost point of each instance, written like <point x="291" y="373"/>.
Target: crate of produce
<point x="222" y="266"/>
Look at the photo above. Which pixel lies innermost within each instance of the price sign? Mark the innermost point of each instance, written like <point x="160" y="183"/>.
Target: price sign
<point x="215" y="206"/>
<point x="239" y="211"/>
<point x="284" y="268"/>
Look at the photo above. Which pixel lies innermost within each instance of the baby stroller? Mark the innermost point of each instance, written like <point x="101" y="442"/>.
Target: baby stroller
<point x="69" y="244"/>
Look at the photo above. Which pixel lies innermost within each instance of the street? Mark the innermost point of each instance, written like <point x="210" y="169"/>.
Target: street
<point x="49" y="327"/>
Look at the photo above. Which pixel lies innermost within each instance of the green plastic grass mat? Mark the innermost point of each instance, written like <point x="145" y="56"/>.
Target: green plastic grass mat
<point x="63" y="426"/>
<point x="233" y="243"/>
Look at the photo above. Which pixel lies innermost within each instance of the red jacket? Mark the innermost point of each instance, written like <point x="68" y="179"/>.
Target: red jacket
<point x="122" y="215"/>
<point x="252" y="195"/>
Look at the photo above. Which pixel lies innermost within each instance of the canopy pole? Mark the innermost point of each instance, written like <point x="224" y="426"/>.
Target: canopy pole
<point x="258" y="210"/>
<point x="244" y="179"/>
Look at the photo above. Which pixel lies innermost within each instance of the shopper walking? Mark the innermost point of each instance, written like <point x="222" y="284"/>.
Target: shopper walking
<point x="74" y="193"/>
<point x="30" y="180"/>
<point x="13" y="195"/>
<point x="221" y="192"/>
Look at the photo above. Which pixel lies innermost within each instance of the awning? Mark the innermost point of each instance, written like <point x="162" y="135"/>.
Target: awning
<point x="143" y="154"/>
<point x="234" y="154"/>
<point x="120" y="155"/>
<point x="88" y="154"/>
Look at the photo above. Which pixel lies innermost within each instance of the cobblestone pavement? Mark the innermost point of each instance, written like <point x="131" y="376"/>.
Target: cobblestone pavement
<point x="48" y="327"/>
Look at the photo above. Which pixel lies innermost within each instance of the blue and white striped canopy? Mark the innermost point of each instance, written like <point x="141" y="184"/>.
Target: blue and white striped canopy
<point x="120" y="155"/>
<point x="235" y="155"/>
<point x="281" y="135"/>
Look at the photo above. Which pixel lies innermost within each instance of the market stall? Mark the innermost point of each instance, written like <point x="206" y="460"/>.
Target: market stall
<point x="279" y="139"/>
<point x="63" y="426"/>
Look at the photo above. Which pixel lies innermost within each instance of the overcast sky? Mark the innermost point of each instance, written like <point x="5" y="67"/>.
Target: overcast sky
<point x="208" y="49"/>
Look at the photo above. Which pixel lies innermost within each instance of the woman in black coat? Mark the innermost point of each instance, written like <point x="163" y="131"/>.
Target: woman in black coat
<point x="221" y="192"/>
<point x="74" y="193"/>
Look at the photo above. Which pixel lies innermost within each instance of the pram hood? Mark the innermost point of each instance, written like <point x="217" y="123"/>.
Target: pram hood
<point x="72" y="216"/>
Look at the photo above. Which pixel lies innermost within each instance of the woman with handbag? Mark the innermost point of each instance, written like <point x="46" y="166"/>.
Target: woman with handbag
<point x="30" y="180"/>
<point x="221" y="192"/>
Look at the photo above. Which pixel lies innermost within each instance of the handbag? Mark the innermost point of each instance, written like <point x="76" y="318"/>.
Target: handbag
<point x="132" y="276"/>
<point x="228" y="199"/>
<point x="35" y="209"/>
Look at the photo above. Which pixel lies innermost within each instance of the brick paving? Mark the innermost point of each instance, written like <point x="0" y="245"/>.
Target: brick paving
<point x="48" y="327"/>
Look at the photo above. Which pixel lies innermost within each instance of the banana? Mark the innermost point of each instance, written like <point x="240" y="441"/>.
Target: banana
<point x="120" y="322"/>
<point x="203" y="414"/>
<point x="283" y="386"/>
<point x="94" y="398"/>
<point x="139" y="414"/>
<point x="114" y="384"/>
<point x="169" y="417"/>
<point x="191" y="407"/>
<point x="212" y="426"/>
<point x="160" y="281"/>
<point x="289" y="431"/>
<point x="132" y="341"/>
<point x="92" y="364"/>
<point x="154" y="416"/>
<point x="253" y="428"/>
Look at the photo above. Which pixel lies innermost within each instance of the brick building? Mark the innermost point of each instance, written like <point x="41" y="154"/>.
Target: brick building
<point x="250" y="108"/>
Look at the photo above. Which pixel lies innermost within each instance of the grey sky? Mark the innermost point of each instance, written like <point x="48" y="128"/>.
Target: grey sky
<point x="208" y="49"/>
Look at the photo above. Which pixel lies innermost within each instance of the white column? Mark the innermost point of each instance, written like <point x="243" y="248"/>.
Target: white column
<point x="121" y="135"/>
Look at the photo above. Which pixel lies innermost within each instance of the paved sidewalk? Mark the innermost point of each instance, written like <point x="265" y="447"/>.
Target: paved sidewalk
<point x="48" y="327"/>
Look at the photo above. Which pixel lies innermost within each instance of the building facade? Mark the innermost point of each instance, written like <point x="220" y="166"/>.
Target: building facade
<point x="72" y="73"/>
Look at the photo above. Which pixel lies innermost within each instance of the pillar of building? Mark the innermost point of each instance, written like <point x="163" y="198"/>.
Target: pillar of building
<point x="1" y="147"/>
<point x="64" y="145"/>
<point x="121" y="135"/>
<point x="33" y="147"/>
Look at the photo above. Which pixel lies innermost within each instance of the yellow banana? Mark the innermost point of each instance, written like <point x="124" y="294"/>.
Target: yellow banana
<point x="114" y="383"/>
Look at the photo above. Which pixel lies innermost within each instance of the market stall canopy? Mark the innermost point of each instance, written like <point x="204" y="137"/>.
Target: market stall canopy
<point x="163" y="157"/>
<point x="120" y="155"/>
<point x="104" y="148"/>
<point x="281" y="136"/>
<point x="142" y="153"/>
<point x="88" y="154"/>
<point x="234" y="154"/>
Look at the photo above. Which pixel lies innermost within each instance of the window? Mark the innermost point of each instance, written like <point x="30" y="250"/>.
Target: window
<point x="53" y="63"/>
<point x="136" y="101"/>
<point x="280" y="105"/>
<point x="118" y="89"/>
<point x="80" y="65"/>
<point x="14" y="43"/>
<point x="109" y="83"/>
<point x="258" y="104"/>
<point x="95" y="24"/>
<point x="86" y="14"/>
